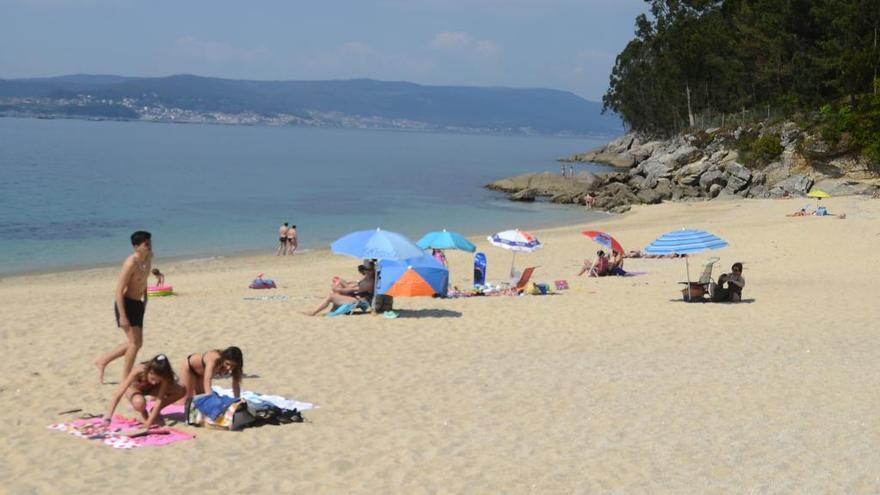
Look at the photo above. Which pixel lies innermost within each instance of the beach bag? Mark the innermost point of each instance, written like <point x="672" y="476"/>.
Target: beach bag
<point x="821" y="211"/>
<point x="532" y="288"/>
<point x="235" y="417"/>
<point x="561" y="284"/>
<point x="262" y="283"/>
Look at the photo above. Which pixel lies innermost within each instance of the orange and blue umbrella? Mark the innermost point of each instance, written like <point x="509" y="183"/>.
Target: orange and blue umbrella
<point x="604" y="239"/>
<point x="412" y="277"/>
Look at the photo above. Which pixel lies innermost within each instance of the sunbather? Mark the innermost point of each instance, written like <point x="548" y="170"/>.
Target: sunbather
<point x="800" y="213"/>
<point x="597" y="268"/>
<point x="348" y="293"/>
<point x="200" y="369"/>
<point x="615" y="266"/>
<point x="154" y="378"/>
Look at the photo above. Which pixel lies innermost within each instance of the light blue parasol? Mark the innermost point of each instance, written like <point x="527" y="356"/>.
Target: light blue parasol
<point x="376" y="245"/>
<point x="445" y="240"/>
<point x="685" y="241"/>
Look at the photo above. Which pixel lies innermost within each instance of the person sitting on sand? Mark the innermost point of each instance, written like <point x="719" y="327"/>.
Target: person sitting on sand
<point x="347" y="293"/>
<point x="160" y="278"/>
<point x="615" y="264"/>
<point x="154" y="378"/>
<point x="735" y="283"/>
<point x="598" y="268"/>
<point x="200" y="369"/>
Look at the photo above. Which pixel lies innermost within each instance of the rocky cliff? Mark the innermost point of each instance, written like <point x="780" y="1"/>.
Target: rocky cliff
<point x="762" y="161"/>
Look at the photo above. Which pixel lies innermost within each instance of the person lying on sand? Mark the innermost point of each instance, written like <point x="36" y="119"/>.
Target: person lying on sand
<point x="200" y="369"/>
<point x="800" y="213"/>
<point x="347" y="293"/>
<point x="154" y="378"/>
<point x="640" y="254"/>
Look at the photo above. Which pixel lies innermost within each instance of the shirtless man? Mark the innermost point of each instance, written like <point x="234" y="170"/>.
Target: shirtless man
<point x="131" y="302"/>
<point x="282" y="240"/>
<point x="292" y="242"/>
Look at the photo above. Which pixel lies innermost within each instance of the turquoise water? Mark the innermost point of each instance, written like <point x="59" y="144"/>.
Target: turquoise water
<point x="71" y="192"/>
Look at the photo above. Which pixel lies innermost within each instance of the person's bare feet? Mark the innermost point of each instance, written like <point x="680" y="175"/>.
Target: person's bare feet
<point x="306" y="313"/>
<point x="101" y="366"/>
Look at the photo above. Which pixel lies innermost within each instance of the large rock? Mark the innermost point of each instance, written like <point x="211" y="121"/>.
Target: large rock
<point x="758" y="191"/>
<point x="615" y="153"/>
<point x="524" y="195"/>
<point x="649" y="196"/>
<point x="843" y="187"/>
<point x="796" y="184"/>
<point x="776" y="172"/>
<point x="738" y="177"/>
<point x="684" y="192"/>
<point x="690" y="174"/>
<point x="854" y="167"/>
<point x="712" y="177"/>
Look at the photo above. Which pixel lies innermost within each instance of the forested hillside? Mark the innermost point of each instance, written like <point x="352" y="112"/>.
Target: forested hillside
<point x="702" y="63"/>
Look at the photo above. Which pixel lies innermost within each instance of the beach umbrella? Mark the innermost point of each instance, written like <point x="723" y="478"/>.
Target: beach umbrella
<point x="515" y="240"/>
<point x="604" y="239"/>
<point x="818" y="194"/>
<point x="376" y="245"/>
<point x="420" y="276"/>
<point x="685" y="241"/>
<point x="445" y="240"/>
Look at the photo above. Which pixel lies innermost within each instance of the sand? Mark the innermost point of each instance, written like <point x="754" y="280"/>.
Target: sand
<point x="614" y="386"/>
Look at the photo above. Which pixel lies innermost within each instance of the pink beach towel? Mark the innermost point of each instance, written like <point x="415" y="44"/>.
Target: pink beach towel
<point x="113" y="435"/>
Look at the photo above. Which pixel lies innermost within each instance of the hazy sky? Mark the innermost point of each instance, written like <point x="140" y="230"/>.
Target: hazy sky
<point x="562" y="44"/>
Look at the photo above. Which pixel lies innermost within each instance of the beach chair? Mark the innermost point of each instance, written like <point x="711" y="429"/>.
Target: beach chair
<point x="698" y="289"/>
<point x="524" y="279"/>
<point x="350" y="308"/>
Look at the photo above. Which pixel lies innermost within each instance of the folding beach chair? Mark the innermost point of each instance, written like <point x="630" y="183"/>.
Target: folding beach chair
<point x="350" y="308"/>
<point x="701" y="287"/>
<point x="524" y="279"/>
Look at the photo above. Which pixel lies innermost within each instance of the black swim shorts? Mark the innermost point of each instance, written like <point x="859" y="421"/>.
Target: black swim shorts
<point x="134" y="310"/>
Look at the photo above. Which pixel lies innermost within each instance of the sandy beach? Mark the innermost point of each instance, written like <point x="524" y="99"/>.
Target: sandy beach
<point x="614" y="386"/>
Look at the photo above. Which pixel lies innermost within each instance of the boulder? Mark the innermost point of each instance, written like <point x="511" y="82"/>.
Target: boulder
<point x="684" y="192"/>
<point x="775" y="172"/>
<point x="620" y="209"/>
<point x="524" y="195"/>
<point x="854" y="167"/>
<point x="664" y="188"/>
<point x="712" y="177"/>
<point x="565" y="198"/>
<point x="649" y="196"/>
<point x="758" y="191"/>
<point x="690" y="174"/>
<point x="843" y="187"/>
<point x="796" y="184"/>
<point x="714" y="190"/>
<point x="738" y="177"/>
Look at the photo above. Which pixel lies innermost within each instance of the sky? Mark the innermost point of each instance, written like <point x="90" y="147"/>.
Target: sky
<point x="560" y="44"/>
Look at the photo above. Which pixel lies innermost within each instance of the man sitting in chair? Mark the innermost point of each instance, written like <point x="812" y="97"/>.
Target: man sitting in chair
<point x="598" y="268"/>
<point x="735" y="283"/>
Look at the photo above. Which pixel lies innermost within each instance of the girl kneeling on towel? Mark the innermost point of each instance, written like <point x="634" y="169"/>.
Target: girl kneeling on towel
<point x="154" y="378"/>
<point x="200" y="369"/>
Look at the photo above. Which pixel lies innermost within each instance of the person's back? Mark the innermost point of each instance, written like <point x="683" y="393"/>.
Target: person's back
<point x="601" y="265"/>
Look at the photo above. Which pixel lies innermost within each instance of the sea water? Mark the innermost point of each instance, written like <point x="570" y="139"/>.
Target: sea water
<point x="72" y="191"/>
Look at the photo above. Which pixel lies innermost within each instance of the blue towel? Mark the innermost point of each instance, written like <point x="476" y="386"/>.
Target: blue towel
<point x="213" y="405"/>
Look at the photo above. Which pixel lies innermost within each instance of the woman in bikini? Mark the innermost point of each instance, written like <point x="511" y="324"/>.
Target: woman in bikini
<point x="154" y="378"/>
<point x="200" y="369"/>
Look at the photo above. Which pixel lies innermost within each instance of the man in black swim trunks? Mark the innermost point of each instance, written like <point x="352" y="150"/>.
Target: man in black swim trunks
<point x="131" y="303"/>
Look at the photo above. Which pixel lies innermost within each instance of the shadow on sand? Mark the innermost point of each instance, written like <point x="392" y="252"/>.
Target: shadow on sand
<point x="744" y="301"/>
<point x="428" y="313"/>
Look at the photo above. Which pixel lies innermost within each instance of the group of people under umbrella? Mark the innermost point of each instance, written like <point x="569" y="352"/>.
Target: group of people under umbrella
<point x="394" y="266"/>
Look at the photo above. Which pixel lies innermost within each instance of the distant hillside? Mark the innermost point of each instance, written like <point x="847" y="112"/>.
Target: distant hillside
<point x="355" y="103"/>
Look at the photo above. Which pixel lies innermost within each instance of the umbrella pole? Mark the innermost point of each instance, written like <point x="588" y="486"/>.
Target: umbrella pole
<point x="512" y="263"/>
<point x="687" y="267"/>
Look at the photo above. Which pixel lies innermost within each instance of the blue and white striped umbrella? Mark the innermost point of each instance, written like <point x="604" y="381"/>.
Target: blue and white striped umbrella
<point x="685" y="241"/>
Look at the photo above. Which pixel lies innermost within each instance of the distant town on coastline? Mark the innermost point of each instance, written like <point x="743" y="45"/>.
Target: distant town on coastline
<point x="356" y="103"/>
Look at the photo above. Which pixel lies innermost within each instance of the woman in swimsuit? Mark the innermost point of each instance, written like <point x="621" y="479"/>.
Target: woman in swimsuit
<point x="200" y="369"/>
<point x="154" y="378"/>
<point x="346" y="292"/>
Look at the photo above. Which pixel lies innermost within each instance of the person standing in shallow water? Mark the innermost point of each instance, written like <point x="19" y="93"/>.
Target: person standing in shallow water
<point x="282" y="240"/>
<point x="292" y="241"/>
<point x="131" y="303"/>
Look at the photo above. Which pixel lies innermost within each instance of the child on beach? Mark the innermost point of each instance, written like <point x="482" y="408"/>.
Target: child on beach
<point x="160" y="278"/>
<point x="131" y="303"/>
<point x="154" y="378"/>
<point x="200" y="369"/>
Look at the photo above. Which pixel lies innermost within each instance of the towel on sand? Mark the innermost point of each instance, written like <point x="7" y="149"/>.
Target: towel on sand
<point x="114" y="434"/>
<point x="275" y="400"/>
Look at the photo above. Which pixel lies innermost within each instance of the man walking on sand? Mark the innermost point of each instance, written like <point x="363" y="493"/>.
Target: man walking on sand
<point x="131" y="303"/>
<point x="282" y="240"/>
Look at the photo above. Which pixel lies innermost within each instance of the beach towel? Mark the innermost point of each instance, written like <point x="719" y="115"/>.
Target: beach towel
<point x="274" y="400"/>
<point x="561" y="284"/>
<point x="114" y="435"/>
<point x="267" y="298"/>
<point x="262" y="283"/>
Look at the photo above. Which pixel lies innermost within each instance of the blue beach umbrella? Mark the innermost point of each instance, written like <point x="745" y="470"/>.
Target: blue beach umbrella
<point x="685" y="241"/>
<point x="408" y="277"/>
<point x="376" y="245"/>
<point x="445" y="240"/>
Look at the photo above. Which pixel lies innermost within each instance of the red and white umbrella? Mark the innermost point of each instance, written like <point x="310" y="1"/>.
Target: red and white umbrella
<point x="604" y="239"/>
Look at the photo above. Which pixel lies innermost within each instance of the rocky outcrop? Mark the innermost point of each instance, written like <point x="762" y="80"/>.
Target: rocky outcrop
<point x="701" y="166"/>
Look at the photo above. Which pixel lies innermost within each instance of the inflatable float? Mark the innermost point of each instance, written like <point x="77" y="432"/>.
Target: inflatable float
<point x="160" y="290"/>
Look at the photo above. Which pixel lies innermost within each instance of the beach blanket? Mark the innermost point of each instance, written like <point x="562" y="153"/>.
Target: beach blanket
<point x="114" y="435"/>
<point x="267" y="298"/>
<point x="274" y="400"/>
